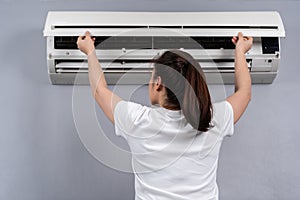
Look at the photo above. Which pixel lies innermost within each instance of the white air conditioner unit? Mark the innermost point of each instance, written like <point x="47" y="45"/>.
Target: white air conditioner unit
<point x="127" y="41"/>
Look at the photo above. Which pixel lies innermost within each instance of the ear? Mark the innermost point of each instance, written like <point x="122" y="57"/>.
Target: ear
<point x="158" y="84"/>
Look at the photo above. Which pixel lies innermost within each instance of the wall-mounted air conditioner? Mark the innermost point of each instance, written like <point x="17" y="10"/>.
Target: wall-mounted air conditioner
<point x="127" y="41"/>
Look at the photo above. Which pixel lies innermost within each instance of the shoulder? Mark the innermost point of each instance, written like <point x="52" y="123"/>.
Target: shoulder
<point x="131" y="113"/>
<point x="127" y="105"/>
<point x="129" y="109"/>
<point x="131" y="117"/>
<point x="222" y="106"/>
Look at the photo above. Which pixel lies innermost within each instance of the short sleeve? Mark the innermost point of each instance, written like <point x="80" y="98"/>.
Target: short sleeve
<point x="228" y="120"/>
<point x="125" y="115"/>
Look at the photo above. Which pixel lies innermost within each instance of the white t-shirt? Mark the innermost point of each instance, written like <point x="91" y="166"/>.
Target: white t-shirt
<point x="170" y="160"/>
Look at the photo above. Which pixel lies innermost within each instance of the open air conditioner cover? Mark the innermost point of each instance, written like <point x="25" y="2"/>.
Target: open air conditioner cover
<point x="126" y="41"/>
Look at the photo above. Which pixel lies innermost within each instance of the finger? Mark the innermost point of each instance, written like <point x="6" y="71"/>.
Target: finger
<point x="82" y="37"/>
<point x="79" y="39"/>
<point x="251" y="39"/>
<point x="233" y="41"/>
<point x="88" y="34"/>
<point x="240" y="35"/>
<point x="248" y="39"/>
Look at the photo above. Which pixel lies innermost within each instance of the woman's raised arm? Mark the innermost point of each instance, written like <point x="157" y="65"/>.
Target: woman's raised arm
<point x="105" y="98"/>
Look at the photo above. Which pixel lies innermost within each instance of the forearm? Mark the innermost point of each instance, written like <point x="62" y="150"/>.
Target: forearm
<point x="242" y="75"/>
<point x="105" y="98"/>
<point x="242" y="96"/>
<point x="96" y="75"/>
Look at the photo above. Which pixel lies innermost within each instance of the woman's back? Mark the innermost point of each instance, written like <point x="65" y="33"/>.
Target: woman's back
<point x="171" y="159"/>
<point x="174" y="155"/>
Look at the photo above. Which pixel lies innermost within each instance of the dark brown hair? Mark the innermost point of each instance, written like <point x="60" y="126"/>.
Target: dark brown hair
<point x="186" y="87"/>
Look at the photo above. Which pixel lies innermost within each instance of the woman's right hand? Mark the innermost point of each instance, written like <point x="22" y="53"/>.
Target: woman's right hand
<point x="86" y="43"/>
<point x="242" y="43"/>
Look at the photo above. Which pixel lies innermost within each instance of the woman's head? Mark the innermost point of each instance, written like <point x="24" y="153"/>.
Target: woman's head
<point x="178" y="82"/>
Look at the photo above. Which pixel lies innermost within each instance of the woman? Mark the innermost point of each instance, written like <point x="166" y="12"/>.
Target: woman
<point x="175" y="146"/>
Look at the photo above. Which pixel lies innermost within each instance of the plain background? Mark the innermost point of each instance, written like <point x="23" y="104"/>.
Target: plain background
<point x="42" y="158"/>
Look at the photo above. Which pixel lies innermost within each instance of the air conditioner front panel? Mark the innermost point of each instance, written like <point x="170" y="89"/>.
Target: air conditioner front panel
<point x="204" y="23"/>
<point x="229" y="32"/>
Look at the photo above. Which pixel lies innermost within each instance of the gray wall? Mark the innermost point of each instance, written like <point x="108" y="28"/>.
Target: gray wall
<point x="41" y="156"/>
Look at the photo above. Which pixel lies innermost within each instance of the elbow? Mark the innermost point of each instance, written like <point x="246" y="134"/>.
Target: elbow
<point x="246" y="93"/>
<point x="249" y="95"/>
<point x="250" y="90"/>
<point x="99" y="90"/>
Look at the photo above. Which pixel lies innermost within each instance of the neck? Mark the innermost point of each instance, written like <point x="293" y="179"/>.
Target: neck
<point x="170" y="106"/>
<point x="162" y="101"/>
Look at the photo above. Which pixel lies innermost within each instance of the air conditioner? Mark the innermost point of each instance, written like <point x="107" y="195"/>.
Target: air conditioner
<point x="127" y="41"/>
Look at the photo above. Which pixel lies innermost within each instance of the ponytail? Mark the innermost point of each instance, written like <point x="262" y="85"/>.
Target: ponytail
<point x="196" y="104"/>
<point x="186" y="87"/>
